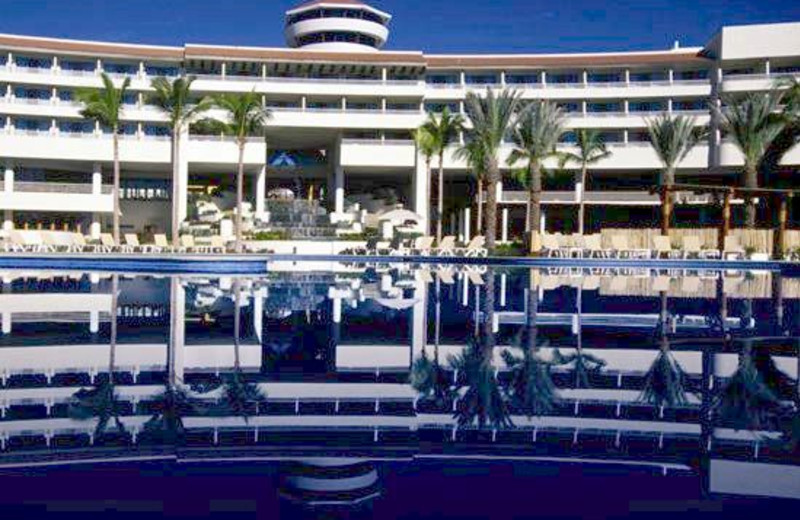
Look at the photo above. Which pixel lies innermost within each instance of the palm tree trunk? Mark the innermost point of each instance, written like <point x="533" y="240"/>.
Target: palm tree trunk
<point x="531" y="317"/>
<point x="115" y="144"/>
<point x="535" y="195"/>
<point x="493" y="173"/>
<point x="428" y="180"/>
<point x="239" y="197"/>
<point x="582" y="201"/>
<point x="668" y="202"/>
<point x="750" y="181"/>
<point x="479" y="223"/>
<point x="175" y="195"/>
<point x="440" y="201"/>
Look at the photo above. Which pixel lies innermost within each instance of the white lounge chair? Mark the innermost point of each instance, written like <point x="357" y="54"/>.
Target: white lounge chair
<point x="691" y="247"/>
<point x="733" y="249"/>
<point x="622" y="249"/>
<point x="446" y="247"/>
<point x="474" y="249"/>
<point x="662" y="247"/>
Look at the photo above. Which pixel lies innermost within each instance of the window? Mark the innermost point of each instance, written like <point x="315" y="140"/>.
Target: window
<point x="145" y="189"/>
<point x="156" y="70"/>
<point x="120" y="68"/>
<point x="130" y="99"/>
<point x="85" y="66"/>
<point x="438" y="108"/>
<point x="32" y="125"/>
<point x="563" y="78"/>
<point x="568" y="138"/>
<point x="648" y="76"/>
<point x="32" y="93"/>
<point x="66" y="95"/>
<point x="786" y="69"/>
<point x="522" y="79"/>
<point x="363" y="106"/>
<point x="692" y="74"/>
<point x="156" y="131"/>
<point x="481" y="79"/>
<point x="441" y="79"/>
<point x="646" y="106"/>
<point x="604" y="107"/>
<point x="605" y="77"/>
<point x="569" y="106"/>
<point x="689" y="104"/>
<point x="33" y="63"/>
<point x="76" y="127"/>
<point x="402" y="106"/>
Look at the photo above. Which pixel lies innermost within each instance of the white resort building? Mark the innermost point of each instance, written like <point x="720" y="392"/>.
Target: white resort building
<point x="343" y="111"/>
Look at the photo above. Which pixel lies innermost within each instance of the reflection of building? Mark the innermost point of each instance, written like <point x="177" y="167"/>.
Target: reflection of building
<point x="346" y="393"/>
<point x="335" y="93"/>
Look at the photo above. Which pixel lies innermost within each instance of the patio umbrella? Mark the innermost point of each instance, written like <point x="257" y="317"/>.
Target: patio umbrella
<point x="400" y="216"/>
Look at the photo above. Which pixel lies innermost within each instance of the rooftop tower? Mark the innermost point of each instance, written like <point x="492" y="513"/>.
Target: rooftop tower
<point x="336" y="25"/>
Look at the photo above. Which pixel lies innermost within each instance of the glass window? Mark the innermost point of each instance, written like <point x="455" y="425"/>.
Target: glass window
<point x="569" y="106"/>
<point x="86" y="66"/>
<point x="32" y="93"/>
<point x="66" y="95"/>
<point x="604" y="107"/>
<point x="120" y="68"/>
<point x="155" y="130"/>
<point x="605" y="77"/>
<point x="646" y="106"/>
<point x="76" y="127"/>
<point x="33" y="63"/>
<point x="437" y="108"/>
<point x="522" y="79"/>
<point x="481" y="79"/>
<point x="37" y="125"/>
<point x="563" y="78"/>
<point x="156" y="70"/>
<point x="441" y="79"/>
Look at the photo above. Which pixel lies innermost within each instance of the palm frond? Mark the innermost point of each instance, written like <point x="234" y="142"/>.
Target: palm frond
<point x="482" y="402"/>
<point x="752" y="122"/>
<point x="672" y="138"/>
<point x="104" y="105"/>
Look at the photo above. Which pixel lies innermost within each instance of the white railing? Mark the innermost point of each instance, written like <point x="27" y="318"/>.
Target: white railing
<point x="378" y="142"/>
<point x="223" y="138"/>
<point x="57" y="187"/>
<point x="290" y="79"/>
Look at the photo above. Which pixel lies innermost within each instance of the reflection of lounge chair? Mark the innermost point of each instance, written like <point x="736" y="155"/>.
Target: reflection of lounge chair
<point x="474" y="277"/>
<point x="446" y="276"/>
<point x="421" y="246"/>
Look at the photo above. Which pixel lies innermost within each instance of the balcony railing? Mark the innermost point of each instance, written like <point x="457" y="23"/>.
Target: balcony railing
<point x="379" y="142"/>
<point x="289" y="79"/>
<point x="58" y="187"/>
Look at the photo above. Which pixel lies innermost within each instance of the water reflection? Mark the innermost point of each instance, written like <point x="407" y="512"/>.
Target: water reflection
<point x="333" y="371"/>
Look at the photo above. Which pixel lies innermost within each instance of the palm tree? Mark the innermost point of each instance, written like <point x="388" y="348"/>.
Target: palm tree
<point x="591" y="150"/>
<point x="474" y="154"/>
<point x="535" y="138"/>
<point x="101" y="401"/>
<point x="753" y="122"/>
<point x="672" y="138"/>
<point x="104" y="106"/>
<point x="444" y="130"/>
<point x="492" y="116"/>
<point x="790" y="134"/>
<point x="426" y="147"/>
<point x="246" y="118"/>
<point x="174" y="99"/>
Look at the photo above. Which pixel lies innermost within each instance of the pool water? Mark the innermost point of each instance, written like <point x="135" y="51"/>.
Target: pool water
<point x="400" y="392"/>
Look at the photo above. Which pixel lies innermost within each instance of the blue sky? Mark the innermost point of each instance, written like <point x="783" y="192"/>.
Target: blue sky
<point x="432" y="26"/>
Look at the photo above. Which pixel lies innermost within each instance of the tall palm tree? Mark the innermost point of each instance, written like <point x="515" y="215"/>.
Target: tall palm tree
<point x="591" y="150"/>
<point x="535" y="138"/>
<point x="173" y="98"/>
<point x="104" y="106"/>
<point x="492" y="116"/>
<point x="474" y="154"/>
<point x="790" y="135"/>
<point x="246" y="117"/>
<point x="672" y="138"/>
<point x="426" y="147"/>
<point x="101" y="401"/>
<point x="753" y="122"/>
<point x="444" y="130"/>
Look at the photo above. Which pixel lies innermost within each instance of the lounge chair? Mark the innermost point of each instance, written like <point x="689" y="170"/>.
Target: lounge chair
<point x="188" y="245"/>
<point x="691" y="247"/>
<point x="446" y="276"/>
<point x="217" y="244"/>
<point x="107" y="244"/>
<point x="475" y="248"/>
<point x="662" y="247"/>
<point x="34" y="243"/>
<point x="163" y="244"/>
<point x="619" y="243"/>
<point x="132" y="245"/>
<point x="551" y="246"/>
<point x="78" y="244"/>
<point x="474" y="277"/>
<point x="421" y="246"/>
<point x="593" y="247"/>
<point x="733" y="249"/>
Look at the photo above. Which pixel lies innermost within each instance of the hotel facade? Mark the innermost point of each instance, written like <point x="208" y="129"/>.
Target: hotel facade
<point x="342" y="115"/>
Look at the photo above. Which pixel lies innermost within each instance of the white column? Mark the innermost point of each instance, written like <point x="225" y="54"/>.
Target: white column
<point x="94" y="321"/>
<point x="420" y="185"/>
<point x="261" y="189"/>
<point x="258" y="312"/>
<point x="578" y="188"/>
<point x="8" y="220"/>
<point x="94" y="228"/>
<point x="337" y="310"/>
<point x="384" y="74"/>
<point x="543" y="78"/>
<point x="419" y="318"/>
<point x="543" y="223"/>
<point x="503" y="289"/>
<point x="183" y="178"/>
<point x="671" y="75"/>
<point x="8" y="178"/>
<point x="585" y="77"/>
<point x="504" y="233"/>
<point x="177" y="336"/>
<point x="224" y="70"/>
<point x="338" y="184"/>
<point x="467" y="235"/>
<point x="503" y="78"/>
<point x="767" y="70"/>
<point x="499" y="191"/>
<point x="97" y="179"/>
<point x="7" y="322"/>
<point x="627" y="76"/>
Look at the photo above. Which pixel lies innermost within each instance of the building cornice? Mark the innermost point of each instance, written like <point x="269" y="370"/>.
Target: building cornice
<point x="92" y="49"/>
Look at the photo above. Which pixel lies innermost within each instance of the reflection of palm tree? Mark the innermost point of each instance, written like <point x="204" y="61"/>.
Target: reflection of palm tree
<point x="428" y="377"/>
<point x="531" y="388"/>
<point x="238" y="395"/>
<point x="101" y="400"/>
<point x="481" y="400"/>
<point x="665" y="383"/>
<point x="583" y="365"/>
<point x="751" y="398"/>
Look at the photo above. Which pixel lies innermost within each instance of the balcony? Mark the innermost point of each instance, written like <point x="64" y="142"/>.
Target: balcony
<point x="335" y="118"/>
<point x="310" y="86"/>
<point x="754" y="82"/>
<point x="57" y="196"/>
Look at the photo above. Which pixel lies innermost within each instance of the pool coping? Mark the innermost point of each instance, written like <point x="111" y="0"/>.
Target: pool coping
<point x="251" y="264"/>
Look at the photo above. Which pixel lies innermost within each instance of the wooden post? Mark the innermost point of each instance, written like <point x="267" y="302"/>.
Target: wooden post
<point x="779" y="242"/>
<point x="725" y="225"/>
<point x="666" y="209"/>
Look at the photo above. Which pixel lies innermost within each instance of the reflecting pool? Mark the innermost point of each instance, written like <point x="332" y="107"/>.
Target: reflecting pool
<point x="401" y="391"/>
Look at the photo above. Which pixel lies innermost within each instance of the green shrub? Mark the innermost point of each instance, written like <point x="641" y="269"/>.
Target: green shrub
<point x="512" y="249"/>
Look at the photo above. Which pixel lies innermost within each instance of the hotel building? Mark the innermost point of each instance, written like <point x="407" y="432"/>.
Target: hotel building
<point x="343" y="111"/>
